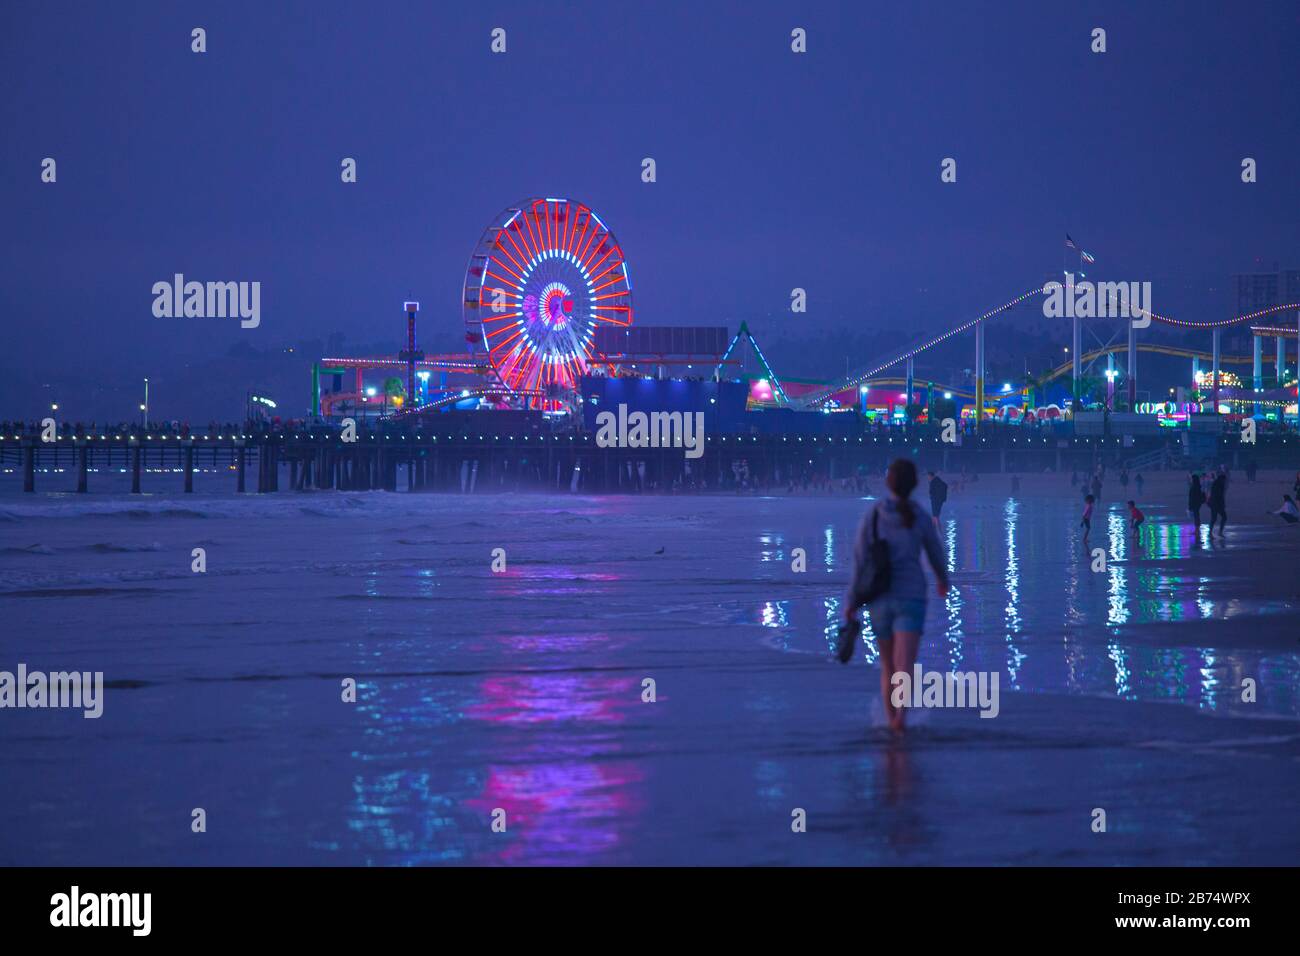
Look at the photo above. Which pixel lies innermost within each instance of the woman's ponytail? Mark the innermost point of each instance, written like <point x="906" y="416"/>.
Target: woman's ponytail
<point x="901" y="480"/>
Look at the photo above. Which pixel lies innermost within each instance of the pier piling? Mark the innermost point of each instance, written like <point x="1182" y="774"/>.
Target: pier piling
<point x="29" y="466"/>
<point x="83" y="466"/>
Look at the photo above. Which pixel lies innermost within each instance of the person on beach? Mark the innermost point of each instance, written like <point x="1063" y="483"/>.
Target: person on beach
<point x="1086" y="523"/>
<point x="1288" y="512"/>
<point x="1096" y="485"/>
<point x="1136" y="518"/>
<point x="938" y="495"/>
<point x="898" y="614"/>
<point x="1218" y="502"/>
<point x="1138" y="482"/>
<point x="1195" y="498"/>
<point x="1123" y="478"/>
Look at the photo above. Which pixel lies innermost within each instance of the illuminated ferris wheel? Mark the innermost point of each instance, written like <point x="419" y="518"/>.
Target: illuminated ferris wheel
<point x="545" y="275"/>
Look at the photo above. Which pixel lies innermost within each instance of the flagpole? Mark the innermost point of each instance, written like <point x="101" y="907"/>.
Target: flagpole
<point x="1077" y="338"/>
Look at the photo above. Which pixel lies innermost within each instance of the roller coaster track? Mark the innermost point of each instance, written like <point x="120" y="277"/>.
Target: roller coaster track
<point x="855" y="379"/>
<point x="488" y="391"/>
<point x="1095" y="354"/>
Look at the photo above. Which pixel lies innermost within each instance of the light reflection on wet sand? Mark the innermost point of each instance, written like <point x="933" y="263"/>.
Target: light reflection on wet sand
<point x="523" y="691"/>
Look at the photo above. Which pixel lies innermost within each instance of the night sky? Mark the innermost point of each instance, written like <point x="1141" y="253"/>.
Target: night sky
<point x="775" y="170"/>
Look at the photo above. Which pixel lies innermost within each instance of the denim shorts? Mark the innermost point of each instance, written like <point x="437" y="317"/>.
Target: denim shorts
<point x="891" y="614"/>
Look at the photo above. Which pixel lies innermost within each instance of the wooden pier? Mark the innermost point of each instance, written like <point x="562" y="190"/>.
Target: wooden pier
<point x="410" y="459"/>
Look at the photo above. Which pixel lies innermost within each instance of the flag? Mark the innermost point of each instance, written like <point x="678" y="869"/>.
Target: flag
<point x="1069" y="243"/>
<point x="1086" y="257"/>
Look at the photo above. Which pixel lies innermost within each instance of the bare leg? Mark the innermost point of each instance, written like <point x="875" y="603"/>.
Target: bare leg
<point x="886" y="645"/>
<point x="905" y="647"/>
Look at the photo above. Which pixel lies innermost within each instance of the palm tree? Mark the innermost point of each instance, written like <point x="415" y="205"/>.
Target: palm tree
<point x="1089" y="385"/>
<point x="393" y="388"/>
<point x="1033" y="382"/>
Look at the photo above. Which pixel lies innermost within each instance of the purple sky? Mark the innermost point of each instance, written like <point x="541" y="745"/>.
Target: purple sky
<point x="775" y="170"/>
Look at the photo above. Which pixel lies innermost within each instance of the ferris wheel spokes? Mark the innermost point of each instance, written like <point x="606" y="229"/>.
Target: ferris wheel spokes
<point x="544" y="276"/>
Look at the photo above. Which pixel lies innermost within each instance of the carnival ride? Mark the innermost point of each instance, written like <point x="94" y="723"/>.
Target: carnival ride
<point x="826" y="396"/>
<point x="543" y="276"/>
<point x="547" y="274"/>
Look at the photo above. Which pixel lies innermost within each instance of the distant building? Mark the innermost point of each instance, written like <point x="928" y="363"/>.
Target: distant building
<point x="1260" y="290"/>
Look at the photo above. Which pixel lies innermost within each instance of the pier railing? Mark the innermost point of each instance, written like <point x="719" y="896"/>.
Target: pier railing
<point x="420" y="458"/>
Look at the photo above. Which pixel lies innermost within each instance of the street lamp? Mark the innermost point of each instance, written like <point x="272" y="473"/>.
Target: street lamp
<point x="144" y="406"/>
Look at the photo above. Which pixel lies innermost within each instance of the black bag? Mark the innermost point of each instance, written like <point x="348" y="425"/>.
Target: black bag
<point x="878" y="585"/>
<point x="880" y="575"/>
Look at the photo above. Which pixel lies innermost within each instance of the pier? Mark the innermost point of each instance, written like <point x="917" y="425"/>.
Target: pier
<point x="410" y="458"/>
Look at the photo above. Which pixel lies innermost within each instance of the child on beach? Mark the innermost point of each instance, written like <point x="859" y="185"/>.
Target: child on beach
<point x="1086" y="523"/>
<point x="1195" y="498"/>
<point x="1288" y="512"/>
<point x="1136" y="518"/>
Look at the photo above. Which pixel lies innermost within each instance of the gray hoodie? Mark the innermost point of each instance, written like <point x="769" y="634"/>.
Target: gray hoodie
<point x="906" y="579"/>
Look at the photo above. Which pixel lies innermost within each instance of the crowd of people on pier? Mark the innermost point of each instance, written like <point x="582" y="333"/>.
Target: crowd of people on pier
<point x="173" y="428"/>
<point x="176" y="428"/>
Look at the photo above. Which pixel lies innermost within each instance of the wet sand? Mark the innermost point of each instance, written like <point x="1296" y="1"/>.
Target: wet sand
<point x="522" y="691"/>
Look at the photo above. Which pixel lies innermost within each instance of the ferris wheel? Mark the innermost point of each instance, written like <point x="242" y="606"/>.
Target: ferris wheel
<point x="545" y="274"/>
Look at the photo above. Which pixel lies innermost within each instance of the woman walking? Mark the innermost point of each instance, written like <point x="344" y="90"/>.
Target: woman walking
<point x="893" y="534"/>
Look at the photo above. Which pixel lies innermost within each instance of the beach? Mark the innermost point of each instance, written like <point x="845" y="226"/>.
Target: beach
<point x="520" y="694"/>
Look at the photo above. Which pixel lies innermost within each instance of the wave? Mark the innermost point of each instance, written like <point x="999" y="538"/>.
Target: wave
<point x="30" y="549"/>
<point x="76" y="592"/>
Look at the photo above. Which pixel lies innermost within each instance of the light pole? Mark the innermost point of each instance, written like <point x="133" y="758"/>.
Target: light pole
<point x="144" y="407"/>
